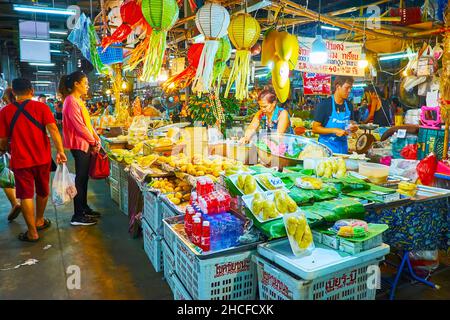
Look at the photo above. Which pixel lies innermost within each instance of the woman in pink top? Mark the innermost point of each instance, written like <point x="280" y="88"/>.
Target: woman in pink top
<point x="81" y="139"/>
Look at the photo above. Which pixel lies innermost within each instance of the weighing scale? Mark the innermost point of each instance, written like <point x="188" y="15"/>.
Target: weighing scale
<point x="366" y="140"/>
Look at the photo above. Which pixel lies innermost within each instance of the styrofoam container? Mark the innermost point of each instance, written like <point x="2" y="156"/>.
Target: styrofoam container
<point x="322" y="261"/>
<point x="152" y="246"/>
<point x="351" y="283"/>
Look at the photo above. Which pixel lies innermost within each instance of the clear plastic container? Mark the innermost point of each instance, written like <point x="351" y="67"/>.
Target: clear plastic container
<point x="376" y="173"/>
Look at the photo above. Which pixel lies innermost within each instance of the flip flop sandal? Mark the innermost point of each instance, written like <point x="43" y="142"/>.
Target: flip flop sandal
<point x="14" y="213"/>
<point x="47" y="224"/>
<point x="24" y="237"/>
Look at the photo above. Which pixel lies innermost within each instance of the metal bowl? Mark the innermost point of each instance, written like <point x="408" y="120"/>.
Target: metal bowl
<point x="272" y="160"/>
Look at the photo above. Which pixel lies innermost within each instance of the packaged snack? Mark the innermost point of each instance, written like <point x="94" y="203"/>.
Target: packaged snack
<point x="350" y="228"/>
<point x="299" y="234"/>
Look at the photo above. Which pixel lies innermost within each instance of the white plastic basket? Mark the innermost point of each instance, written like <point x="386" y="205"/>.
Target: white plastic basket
<point x="152" y="211"/>
<point x="152" y="247"/>
<point x="275" y="283"/>
<point x="179" y="291"/>
<point x="168" y="211"/>
<point x="169" y="236"/>
<point x="169" y="265"/>
<point x="228" y="277"/>
<point x="115" y="170"/>
<point x="114" y="190"/>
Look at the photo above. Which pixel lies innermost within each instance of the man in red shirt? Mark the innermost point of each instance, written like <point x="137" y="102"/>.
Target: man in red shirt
<point x="25" y="124"/>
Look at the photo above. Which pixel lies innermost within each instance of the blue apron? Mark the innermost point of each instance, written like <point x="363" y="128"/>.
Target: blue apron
<point x="339" y="121"/>
<point x="274" y="126"/>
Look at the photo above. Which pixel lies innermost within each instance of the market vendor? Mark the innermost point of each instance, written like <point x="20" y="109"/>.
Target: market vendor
<point x="334" y="117"/>
<point x="270" y="116"/>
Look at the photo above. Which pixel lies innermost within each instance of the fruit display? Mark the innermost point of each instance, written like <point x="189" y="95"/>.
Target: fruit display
<point x="299" y="233"/>
<point x="176" y="190"/>
<point x="328" y="168"/>
<point x="350" y="228"/>
<point x="146" y="161"/>
<point x="309" y="183"/>
<point x="246" y="183"/>
<point x="122" y="155"/>
<point x="270" y="205"/>
<point x="408" y="189"/>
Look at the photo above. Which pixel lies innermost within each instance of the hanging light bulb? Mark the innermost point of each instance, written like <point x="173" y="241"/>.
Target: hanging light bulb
<point x="319" y="51"/>
<point x="124" y="85"/>
<point x="363" y="63"/>
<point x="108" y="92"/>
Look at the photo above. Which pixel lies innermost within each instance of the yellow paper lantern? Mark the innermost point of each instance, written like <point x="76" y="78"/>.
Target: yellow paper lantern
<point x="244" y="31"/>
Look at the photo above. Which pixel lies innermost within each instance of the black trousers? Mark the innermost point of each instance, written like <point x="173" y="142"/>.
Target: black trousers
<point x="82" y="162"/>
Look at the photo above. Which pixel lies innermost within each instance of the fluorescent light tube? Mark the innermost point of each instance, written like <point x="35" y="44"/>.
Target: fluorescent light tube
<point x="396" y="56"/>
<point x="45" y="10"/>
<point x="60" y="32"/>
<point x="42" y="64"/>
<point x="56" y="41"/>
<point x="330" y="28"/>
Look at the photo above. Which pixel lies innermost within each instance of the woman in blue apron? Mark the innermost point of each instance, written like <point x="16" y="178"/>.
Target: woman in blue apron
<point x="338" y="120"/>
<point x="270" y="117"/>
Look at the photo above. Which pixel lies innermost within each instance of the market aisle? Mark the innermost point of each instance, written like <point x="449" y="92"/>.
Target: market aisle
<point x="112" y="265"/>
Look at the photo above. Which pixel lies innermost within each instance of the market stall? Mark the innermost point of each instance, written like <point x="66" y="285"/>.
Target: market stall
<point x="249" y="194"/>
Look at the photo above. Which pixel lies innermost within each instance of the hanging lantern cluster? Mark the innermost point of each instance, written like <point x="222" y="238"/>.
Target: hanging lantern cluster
<point x="131" y="14"/>
<point x="212" y="21"/>
<point x="161" y="15"/>
<point x="281" y="50"/>
<point x="185" y="77"/>
<point x="244" y="32"/>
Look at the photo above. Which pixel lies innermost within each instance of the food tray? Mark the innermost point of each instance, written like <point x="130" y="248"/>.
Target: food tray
<point x="322" y="262"/>
<point x="269" y="195"/>
<point x="233" y="178"/>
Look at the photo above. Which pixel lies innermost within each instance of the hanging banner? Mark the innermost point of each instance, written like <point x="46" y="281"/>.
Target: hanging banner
<point x="343" y="58"/>
<point x="316" y="84"/>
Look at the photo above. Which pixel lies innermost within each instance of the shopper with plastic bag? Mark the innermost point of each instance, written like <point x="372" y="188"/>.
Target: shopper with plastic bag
<point x="82" y="141"/>
<point x="63" y="186"/>
<point x="25" y="124"/>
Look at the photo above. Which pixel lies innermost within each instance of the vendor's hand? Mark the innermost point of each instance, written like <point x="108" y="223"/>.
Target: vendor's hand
<point x="340" y="132"/>
<point x="61" y="158"/>
<point x="244" y="140"/>
<point x="353" y="127"/>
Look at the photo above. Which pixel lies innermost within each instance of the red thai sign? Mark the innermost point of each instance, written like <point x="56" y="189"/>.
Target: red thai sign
<point x="315" y="83"/>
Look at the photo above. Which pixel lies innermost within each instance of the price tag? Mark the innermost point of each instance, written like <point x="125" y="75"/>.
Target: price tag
<point x="401" y="133"/>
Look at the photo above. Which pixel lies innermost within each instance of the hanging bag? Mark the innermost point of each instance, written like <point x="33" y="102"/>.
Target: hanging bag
<point x="63" y="186"/>
<point x="6" y="175"/>
<point x="99" y="167"/>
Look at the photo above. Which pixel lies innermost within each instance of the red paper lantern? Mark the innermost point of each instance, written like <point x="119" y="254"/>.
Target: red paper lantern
<point x="131" y="14"/>
<point x="185" y="77"/>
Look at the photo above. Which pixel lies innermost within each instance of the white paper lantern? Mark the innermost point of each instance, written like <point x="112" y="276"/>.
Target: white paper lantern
<point x="212" y="21"/>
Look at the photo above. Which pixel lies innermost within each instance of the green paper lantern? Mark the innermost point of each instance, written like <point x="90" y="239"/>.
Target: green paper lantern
<point x="220" y="63"/>
<point x="161" y="15"/>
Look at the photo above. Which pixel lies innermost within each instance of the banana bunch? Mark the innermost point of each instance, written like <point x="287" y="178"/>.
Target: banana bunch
<point x="246" y="183"/>
<point x="408" y="189"/>
<point x="327" y="168"/>
<point x="309" y="183"/>
<point x="298" y="229"/>
<point x="281" y="49"/>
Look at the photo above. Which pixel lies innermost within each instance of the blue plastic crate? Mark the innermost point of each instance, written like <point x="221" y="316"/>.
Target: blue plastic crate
<point x="111" y="55"/>
<point x="152" y="247"/>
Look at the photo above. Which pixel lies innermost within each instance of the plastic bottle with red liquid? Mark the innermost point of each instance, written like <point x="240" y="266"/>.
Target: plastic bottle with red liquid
<point x="197" y="231"/>
<point x="206" y="237"/>
<point x="188" y="220"/>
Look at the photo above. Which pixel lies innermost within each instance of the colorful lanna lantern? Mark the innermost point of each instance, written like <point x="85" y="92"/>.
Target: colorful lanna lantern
<point x="131" y="14"/>
<point x="185" y="77"/>
<point x="212" y="21"/>
<point x="222" y="56"/>
<point x="244" y="32"/>
<point x="161" y="15"/>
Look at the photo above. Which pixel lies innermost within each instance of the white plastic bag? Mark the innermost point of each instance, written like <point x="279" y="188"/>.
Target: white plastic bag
<point x="299" y="234"/>
<point x="404" y="168"/>
<point x="63" y="186"/>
